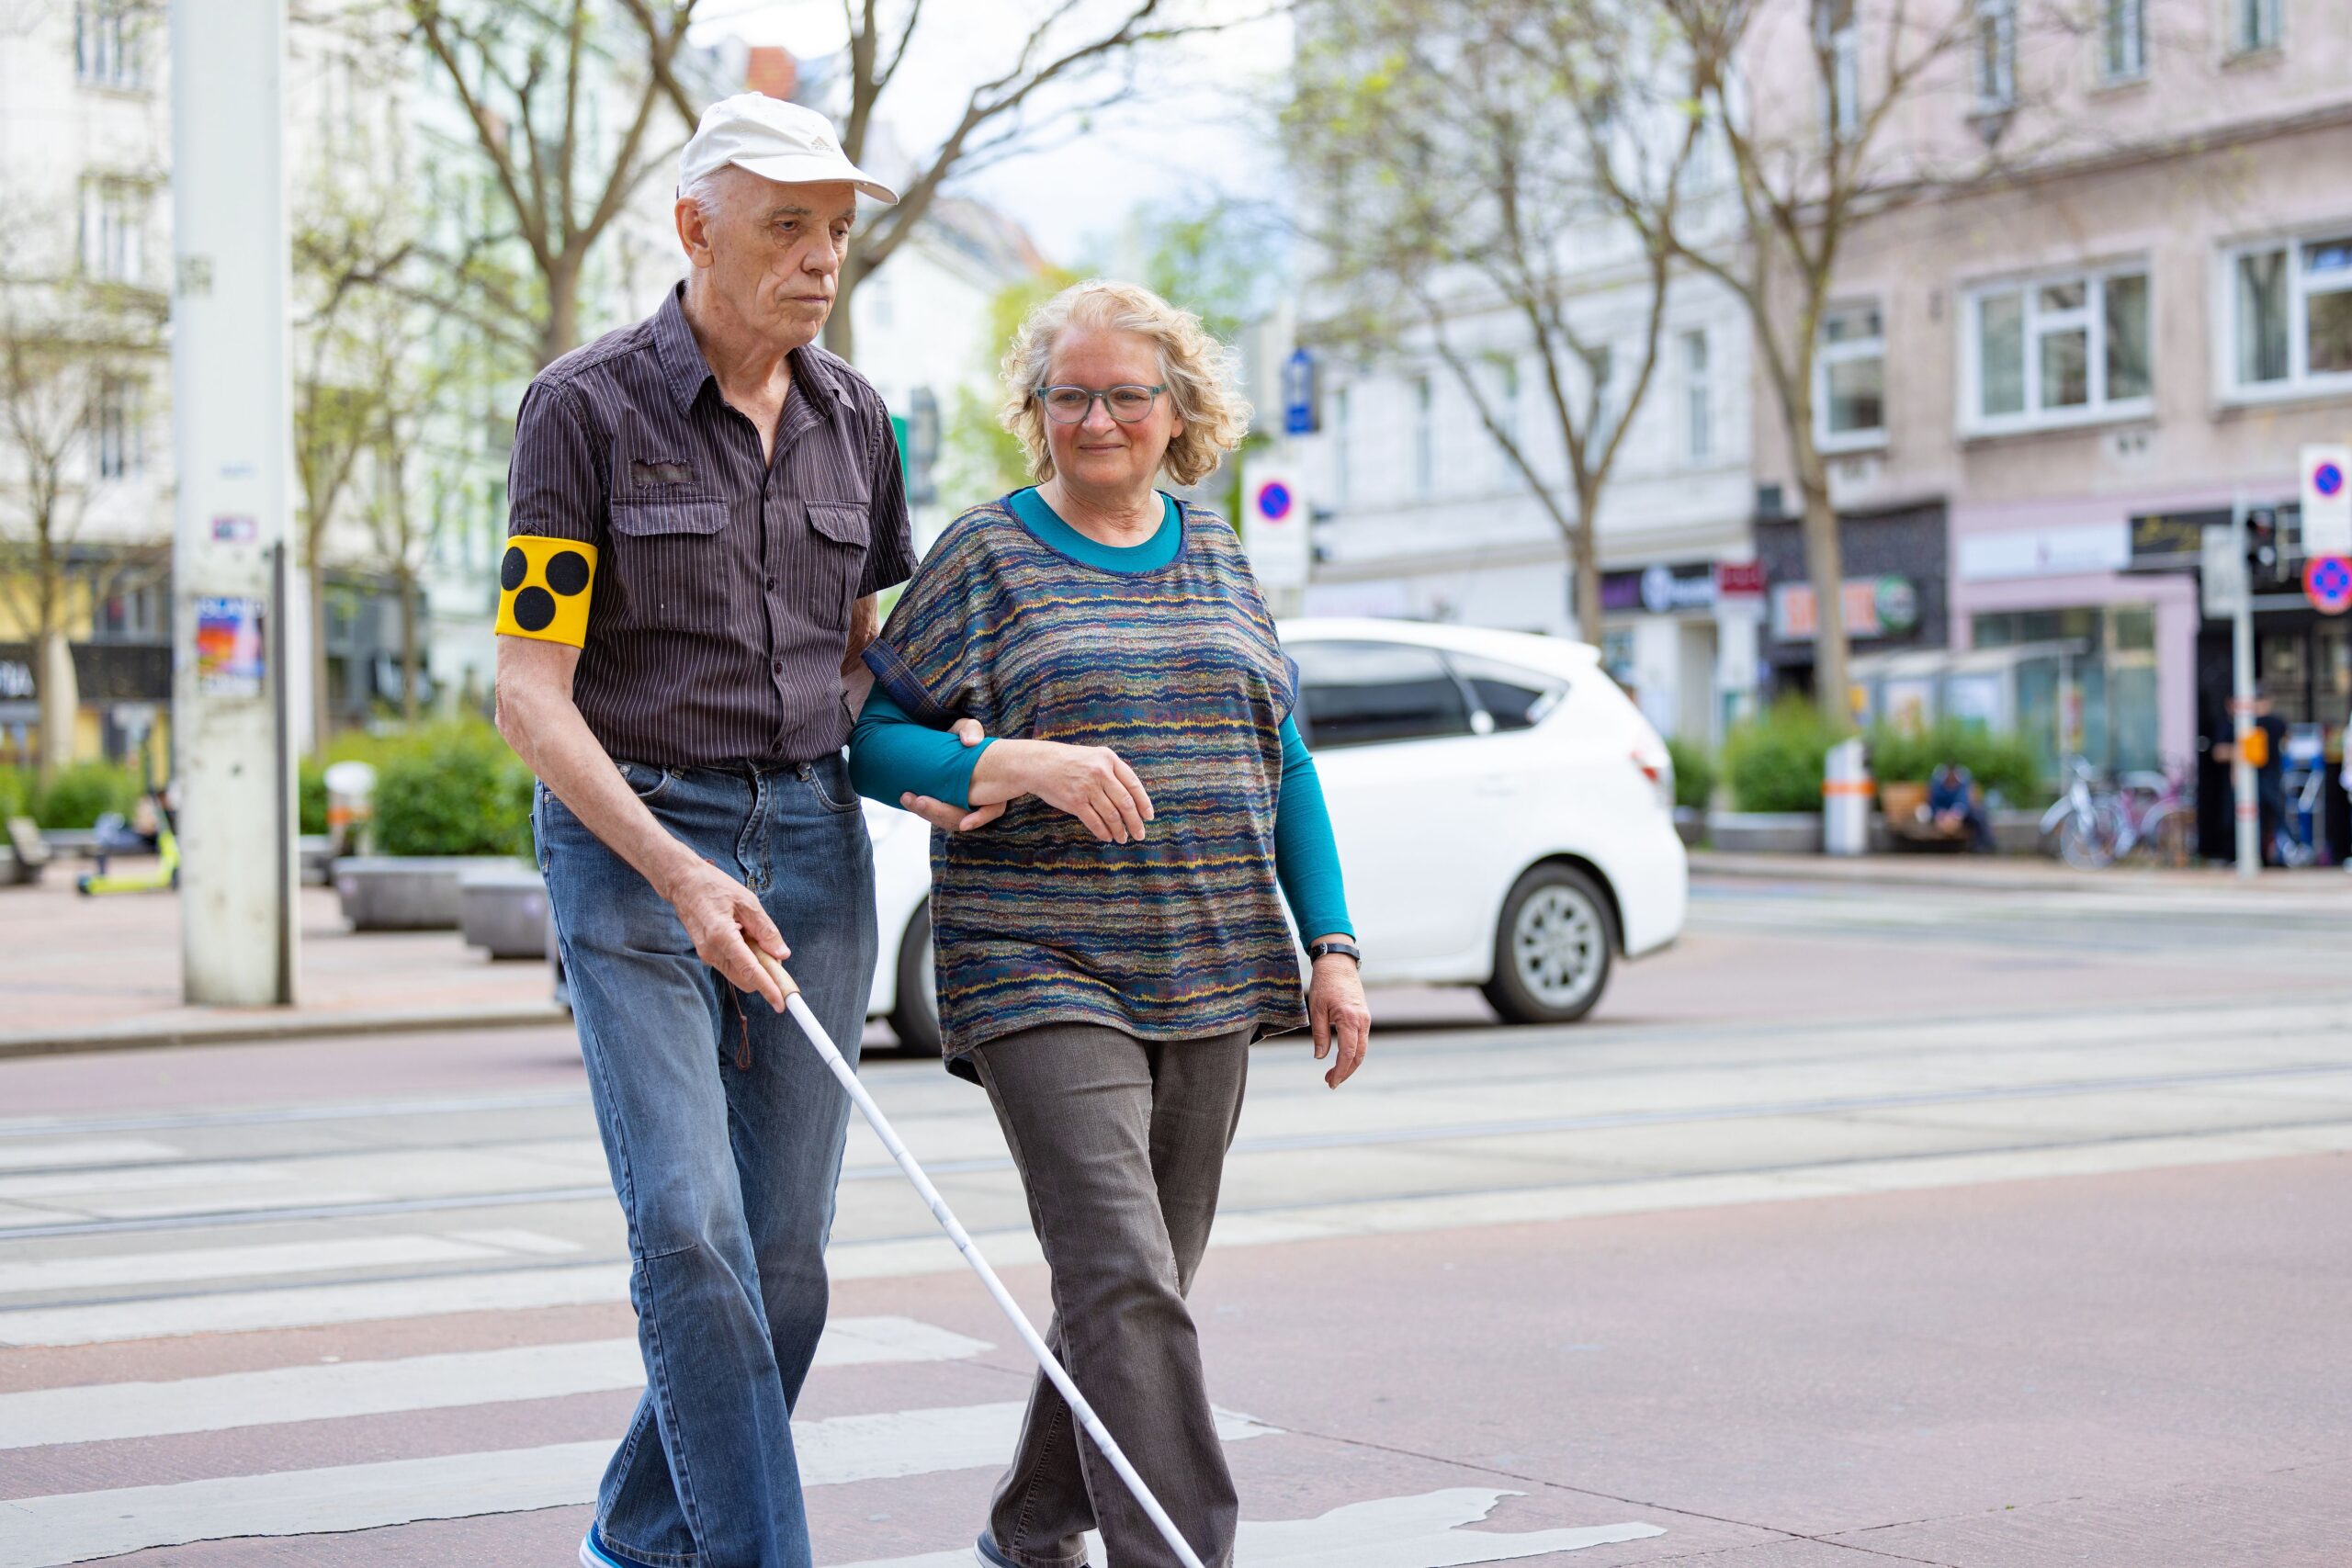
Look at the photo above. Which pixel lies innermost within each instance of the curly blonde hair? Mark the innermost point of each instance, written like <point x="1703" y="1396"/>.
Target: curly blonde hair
<point x="1200" y="373"/>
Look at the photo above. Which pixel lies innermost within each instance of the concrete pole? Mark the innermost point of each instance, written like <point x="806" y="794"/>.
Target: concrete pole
<point x="2242" y="781"/>
<point x="229" y="406"/>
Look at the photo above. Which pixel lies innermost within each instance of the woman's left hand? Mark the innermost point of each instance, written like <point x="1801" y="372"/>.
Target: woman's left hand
<point x="1340" y="1017"/>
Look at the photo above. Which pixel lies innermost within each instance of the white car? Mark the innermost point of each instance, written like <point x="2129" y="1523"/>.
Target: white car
<point x="1504" y="813"/>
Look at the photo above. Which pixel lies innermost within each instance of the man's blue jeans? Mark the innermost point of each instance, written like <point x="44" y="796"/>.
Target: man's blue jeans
<point x="723" y="1132"/>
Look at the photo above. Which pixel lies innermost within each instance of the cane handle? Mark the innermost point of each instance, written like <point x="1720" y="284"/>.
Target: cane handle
<point x="777" y="972"/>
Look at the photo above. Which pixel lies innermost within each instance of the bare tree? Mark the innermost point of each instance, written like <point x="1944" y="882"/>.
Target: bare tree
<point x="1017" y="110"/>
<point x="1472" y="221"/>
<point x="1819" y="107"/>
<point x="533" y="79"/>
<point x="67" y="347"/>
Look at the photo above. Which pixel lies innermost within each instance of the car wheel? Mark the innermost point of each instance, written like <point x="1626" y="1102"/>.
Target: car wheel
<point x="915" y="1018"/>
<point x="1553" y="948"/>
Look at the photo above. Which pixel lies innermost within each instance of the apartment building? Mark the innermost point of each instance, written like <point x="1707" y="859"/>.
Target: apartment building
<point x="2083" y="365"/>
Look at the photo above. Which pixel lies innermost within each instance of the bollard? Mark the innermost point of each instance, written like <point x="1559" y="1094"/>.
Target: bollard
<point x="351" y="805"/>
<point x="1845" y="800"/>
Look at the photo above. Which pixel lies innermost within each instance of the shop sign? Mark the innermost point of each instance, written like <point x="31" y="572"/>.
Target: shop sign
<point x="2171" y="541"/>
<point x="1875" y="606"/>
<point x="1659" y="589"/>
<point x="16" y="679"/>
<point x="2046" y="552"/>
<point x="1739" y="579"/>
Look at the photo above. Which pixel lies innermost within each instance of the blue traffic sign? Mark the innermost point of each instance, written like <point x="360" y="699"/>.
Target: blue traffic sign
<point x="1298" y="394"/>
<point x="2327" y="479"/>
<point x="1274" y="500"/>
<point x="2327" y="582"/>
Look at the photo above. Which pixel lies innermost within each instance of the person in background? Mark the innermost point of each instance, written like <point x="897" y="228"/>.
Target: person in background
<point x="1104" y="904"/>
<point x="1953" y="805"/>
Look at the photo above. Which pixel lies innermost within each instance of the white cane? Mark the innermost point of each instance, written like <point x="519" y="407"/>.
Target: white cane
<point x="798" y="1006"/>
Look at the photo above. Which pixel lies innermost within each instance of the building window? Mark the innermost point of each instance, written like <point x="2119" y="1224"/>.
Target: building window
<point x="1506" y="418"/>
<point x="108" y="45"/>
<point x="1849" y="378"/>
<point x="2253" y="25"/>
<point x="1697" y="397"/>
<point x="114" y="230"/>
<point x="1841" y="66"/>
<point x="119" y="432"/>
<point x="1994" y="55"/>
<point x="2060" y="351"/>
<point x="2123" y="39"/>
<point x="1424" y="436"/>
<point x="2291" y="315"/>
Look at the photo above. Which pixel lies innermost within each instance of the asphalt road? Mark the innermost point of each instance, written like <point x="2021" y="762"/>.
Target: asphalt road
<point x="1967" y="1229"/>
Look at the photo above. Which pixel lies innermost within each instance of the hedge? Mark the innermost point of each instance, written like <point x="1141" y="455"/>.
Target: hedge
<point x="1774" y="761"/>
<point x="2003" y="765"/>
<point x="82" y="793"/>
<point x="450" y="789"/>
<point x="1695" y="773"/>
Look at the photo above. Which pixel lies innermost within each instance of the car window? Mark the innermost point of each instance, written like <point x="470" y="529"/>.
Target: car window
<point x="1358" y="693"/>
<point x="1514" y="696"/>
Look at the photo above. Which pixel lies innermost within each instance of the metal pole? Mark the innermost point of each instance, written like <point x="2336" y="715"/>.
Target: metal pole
<point x="2242" y="784"/>
<point x="1046" y="1362"/>
<point x="229" y="438"/>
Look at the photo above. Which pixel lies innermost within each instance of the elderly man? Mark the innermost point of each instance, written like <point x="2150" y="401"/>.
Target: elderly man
<point x="704" y="506"/>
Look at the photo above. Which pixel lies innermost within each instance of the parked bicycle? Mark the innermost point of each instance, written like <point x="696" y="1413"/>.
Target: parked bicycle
<point x="2087" y="818"/>
<point x="2098" y="823"/>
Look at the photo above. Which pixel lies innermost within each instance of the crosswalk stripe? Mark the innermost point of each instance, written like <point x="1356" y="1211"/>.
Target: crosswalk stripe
<point x="181" y="1266"/>
<point x="303" y="1306"/>
<point x="1388" y="1532"/>
<point x="83" y="1151"/>
<point x="44" y="1532"/>
<point x="106" y="1412"/>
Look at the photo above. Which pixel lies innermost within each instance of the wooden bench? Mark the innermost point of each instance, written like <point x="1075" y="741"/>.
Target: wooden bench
<point x="30" y="853"/>
<point x="1905" y="807"/>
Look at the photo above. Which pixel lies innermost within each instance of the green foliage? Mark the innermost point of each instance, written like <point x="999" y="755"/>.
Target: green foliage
<point x="2003" y="765"/>
<point x="1695" y="773"/>
<point x="1774" y="761"/>
<point x="450" y="789"/>
<point x="16" y="794"/>
<point x="81" y="794"/>
<point x="311" y="790"/>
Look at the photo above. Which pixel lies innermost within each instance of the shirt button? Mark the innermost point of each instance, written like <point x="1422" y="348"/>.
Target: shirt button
<point x="771" y="584"/>
<point x="777" y="667"/>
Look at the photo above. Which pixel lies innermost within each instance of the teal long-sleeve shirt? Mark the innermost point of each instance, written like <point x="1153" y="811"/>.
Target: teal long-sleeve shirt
<point x="890" y="754"/>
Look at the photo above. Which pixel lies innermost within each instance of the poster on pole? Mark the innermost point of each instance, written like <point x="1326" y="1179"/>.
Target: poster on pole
<point x="2327" y="499"/>
<point x="1275" y="513"/>
<point x="231" y="653"/>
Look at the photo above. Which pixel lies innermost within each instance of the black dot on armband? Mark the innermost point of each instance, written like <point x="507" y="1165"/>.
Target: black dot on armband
<point x="568" y="572"/>
<point x="534" y="609"/>
<point x="513" y="568"/>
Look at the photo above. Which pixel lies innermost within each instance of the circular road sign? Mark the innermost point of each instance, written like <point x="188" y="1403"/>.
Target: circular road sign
<point x="2328" y="479"/>
<point x="2327" y="584"/>
<point x="1274" y="500"/>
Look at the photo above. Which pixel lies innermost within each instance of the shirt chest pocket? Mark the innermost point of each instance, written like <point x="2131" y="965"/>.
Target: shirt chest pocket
<point x="677" y="565"/>
<point x="838" y="532"/>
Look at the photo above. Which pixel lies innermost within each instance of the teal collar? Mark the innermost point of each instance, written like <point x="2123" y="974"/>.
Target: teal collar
<point x="1151" y="555"/>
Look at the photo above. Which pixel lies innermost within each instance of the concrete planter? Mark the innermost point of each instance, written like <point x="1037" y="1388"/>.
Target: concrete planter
<point x="1766" y="833"/>
<point x="2019" y="833"/>
<point x="317" y="853"/>
<point x="504" y="910"/>
<point x="1689" y="825"/>
<point x="407" y="893"/>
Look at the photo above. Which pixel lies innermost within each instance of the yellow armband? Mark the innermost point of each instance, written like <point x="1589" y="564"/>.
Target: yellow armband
<point x="543" y="589"/>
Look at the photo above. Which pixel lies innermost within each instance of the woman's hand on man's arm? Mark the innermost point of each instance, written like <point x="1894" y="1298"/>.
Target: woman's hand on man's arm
<point x="1093" y="784"/>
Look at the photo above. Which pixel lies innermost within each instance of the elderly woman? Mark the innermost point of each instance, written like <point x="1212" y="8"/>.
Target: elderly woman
<point x="1108" y="936"/>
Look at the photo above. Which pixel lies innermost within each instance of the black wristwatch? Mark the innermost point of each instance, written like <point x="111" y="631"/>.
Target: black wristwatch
<point x="1344" y="949"/>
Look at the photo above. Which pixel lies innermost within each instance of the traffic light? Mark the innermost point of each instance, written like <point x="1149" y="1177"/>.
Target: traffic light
<point x="2266" y="556"/>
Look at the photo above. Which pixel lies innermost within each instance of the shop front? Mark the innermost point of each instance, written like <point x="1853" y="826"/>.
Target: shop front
<point x="1893" y="597"/>
<point x="1681" y="638"/>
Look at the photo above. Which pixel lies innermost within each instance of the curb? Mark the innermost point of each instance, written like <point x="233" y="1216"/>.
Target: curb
<point x="1894" y="871"/>
<point x="140" y="1035"/>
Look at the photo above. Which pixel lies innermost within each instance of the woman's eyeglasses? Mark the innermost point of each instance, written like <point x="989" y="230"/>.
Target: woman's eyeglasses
<point x="1069" y="405"/>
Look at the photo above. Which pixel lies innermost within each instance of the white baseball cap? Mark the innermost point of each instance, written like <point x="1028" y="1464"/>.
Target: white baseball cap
<point x="775" y="140"/>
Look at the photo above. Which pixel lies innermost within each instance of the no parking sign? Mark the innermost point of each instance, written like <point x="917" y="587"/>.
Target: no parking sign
<point x="2327" y="499"/>
<point x="2327" y="584"/>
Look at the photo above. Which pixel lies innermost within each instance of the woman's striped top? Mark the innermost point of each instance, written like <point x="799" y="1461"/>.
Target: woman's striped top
<point x="1180" y="936"/>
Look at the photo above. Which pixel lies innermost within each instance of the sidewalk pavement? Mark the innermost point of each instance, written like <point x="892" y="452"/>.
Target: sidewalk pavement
<point x="82" y="973"/>
<point x="2321" y="888"/>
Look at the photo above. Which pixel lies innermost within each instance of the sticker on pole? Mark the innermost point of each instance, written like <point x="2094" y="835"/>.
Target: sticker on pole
<point x="2327" y="584"/>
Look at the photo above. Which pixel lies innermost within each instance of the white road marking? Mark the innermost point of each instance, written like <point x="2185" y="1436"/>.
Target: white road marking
<point x="520" y="1241"/>
<point x="83" y="1151"/>
<point x="1392" y="1532"/>
<point x="43" y="1532"/>
<point x="106" y="1412"/>
<point x="299" y="1306"/>
<point x="131" y="1268"/>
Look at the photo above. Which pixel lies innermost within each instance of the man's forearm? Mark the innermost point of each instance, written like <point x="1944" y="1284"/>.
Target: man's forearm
<point x="556" y="743"/>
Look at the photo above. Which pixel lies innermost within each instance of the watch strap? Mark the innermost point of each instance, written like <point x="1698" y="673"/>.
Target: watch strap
<point x="1344" y="949"/>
